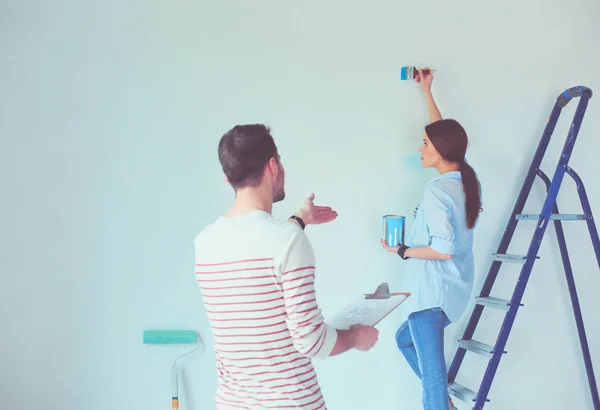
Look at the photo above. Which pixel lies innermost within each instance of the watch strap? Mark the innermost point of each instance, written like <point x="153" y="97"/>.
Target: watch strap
<point x="300" y="221"/>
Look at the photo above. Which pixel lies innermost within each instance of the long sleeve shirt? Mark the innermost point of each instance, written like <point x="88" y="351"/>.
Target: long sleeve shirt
<point x="256" y="275"/>
<point x="440" y="222"/>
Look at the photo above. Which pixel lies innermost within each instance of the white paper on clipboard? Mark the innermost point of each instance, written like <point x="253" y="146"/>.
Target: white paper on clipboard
<point x="366" y="312"/>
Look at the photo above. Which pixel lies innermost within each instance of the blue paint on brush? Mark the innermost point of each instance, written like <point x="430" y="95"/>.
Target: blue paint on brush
<point x="404" y="73"/>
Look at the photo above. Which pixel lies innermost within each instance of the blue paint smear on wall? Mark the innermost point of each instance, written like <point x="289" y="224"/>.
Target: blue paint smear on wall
<point x="412" y="162"/>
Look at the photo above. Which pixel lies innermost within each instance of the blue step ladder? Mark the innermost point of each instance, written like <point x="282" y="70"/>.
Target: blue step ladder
<point x="549" y="212"/>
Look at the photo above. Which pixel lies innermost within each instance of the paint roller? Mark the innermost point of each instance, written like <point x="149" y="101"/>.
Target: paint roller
<point x="410" y="73"/>
<point x="163" y="337"/>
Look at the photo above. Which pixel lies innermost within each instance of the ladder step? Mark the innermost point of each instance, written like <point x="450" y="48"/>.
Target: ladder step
<point x="461" y="392"/>
<point x="553" y="217"/>
<point x="477" y="347"/>
<point x="493" y="302"/>
<point x="511" y="258"/>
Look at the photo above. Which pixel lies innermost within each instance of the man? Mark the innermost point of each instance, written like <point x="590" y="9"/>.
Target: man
<point x="256" y="275"/>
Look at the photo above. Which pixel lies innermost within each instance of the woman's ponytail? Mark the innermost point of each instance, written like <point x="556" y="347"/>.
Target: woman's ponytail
<point x="472" y="193"/>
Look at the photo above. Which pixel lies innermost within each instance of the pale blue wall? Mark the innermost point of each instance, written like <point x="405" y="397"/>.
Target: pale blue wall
<point x="110" y="114"/>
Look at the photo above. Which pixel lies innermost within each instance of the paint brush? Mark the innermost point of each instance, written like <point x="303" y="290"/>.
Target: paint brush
<point x="410" y="73"/>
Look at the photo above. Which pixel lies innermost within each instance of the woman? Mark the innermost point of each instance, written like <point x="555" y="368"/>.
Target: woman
<point x="439" y="252"/>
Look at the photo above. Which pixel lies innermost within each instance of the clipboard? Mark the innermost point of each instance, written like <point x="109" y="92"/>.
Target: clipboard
<point x="369" y="309"/>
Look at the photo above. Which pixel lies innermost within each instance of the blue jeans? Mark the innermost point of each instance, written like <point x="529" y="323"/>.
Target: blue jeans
<point x="421" y="341"/>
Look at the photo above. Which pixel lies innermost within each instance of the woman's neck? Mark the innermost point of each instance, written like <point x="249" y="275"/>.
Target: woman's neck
<point x="444" y="167"/>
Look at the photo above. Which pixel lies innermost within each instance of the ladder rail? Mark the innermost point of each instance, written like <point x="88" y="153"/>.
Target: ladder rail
<point x="587" y="210"/>
<point x="538" y="235"/>
<point x="562" y="244"/>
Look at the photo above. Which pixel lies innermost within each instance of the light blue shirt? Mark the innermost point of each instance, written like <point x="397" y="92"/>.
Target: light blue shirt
<point x="440" y="222"/>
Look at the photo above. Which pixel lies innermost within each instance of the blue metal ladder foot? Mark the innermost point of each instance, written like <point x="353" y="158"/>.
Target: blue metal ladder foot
<point x="549" y="212"/>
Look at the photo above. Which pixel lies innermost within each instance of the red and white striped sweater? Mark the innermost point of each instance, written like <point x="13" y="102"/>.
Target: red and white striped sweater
<point x="256" y="275"/>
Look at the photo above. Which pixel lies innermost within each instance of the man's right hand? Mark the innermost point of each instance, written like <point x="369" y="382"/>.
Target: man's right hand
<point x="365" y="337"/>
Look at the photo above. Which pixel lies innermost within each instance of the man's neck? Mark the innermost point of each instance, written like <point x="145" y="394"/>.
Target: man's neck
<point x="251" y="199"/>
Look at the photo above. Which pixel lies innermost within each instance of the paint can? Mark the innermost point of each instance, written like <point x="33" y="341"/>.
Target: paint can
<point x="393" y="229"/>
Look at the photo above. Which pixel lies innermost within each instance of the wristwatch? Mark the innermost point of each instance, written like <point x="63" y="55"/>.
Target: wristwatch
<point x="300" y="221"/>
<point x="401" y="251"/>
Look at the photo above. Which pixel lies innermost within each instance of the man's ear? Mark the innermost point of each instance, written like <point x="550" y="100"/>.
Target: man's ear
<point x="273" y="166"/>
